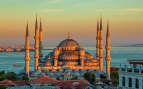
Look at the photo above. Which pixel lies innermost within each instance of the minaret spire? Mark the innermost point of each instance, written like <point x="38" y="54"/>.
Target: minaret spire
<point x="27" y="57"/>
<point x="108" y="46"/>
<point x="97" y="41"/>
<point x="36" y="45"/>
<point x="40" y="41"/>
<point x="101" y="46"/>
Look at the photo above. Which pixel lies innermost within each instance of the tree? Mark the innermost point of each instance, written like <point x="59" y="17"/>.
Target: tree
<point x="25" y="77"/>
<point x="11" y="76"/>
<point x="74" y="78"/>
<point x="115" y="77"/>
<point x="90" y="77"/>
<point x="2" y="75"/>
<point x="2" y="87"/>
<point x="103" y="77"/>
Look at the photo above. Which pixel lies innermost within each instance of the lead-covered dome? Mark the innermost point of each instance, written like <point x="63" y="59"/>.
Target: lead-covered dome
<point x="68" y="43"/>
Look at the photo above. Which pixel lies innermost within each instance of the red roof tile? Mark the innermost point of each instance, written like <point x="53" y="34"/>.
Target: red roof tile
<point x="69" y="84"/>
<point x="14" y="83"/>
<point x="20" y="83"/>
<point x="44" y="80"/>
<point x="7" y="82"/>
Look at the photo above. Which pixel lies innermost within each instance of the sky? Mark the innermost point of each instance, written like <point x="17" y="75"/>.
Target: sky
<point x="79" y="17"/>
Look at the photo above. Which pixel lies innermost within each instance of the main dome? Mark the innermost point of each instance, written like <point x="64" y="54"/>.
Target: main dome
<point x="68" y="43"/>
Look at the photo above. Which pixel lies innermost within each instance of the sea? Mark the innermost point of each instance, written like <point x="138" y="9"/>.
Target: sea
<point x="119" y="56"/>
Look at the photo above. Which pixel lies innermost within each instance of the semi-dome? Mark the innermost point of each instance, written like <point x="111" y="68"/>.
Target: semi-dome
<point x="69" y="55"/>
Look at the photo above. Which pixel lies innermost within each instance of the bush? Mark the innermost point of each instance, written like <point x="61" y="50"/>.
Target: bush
<point x="115" y="77"/>
<point x="74" y="78"/>
<point x="8" y="76"/>
<point x="91" y="77"/>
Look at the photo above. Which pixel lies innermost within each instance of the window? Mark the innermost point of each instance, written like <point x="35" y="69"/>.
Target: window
<point x="130" y="82"/>
<point x="137" y="83"/>
<point x="123" y="81"/>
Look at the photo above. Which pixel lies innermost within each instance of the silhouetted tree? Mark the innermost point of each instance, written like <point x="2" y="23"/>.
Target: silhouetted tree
<point x="114" y="76"/>
<point x="74" y="78"/>
<point x="90" y="77"/>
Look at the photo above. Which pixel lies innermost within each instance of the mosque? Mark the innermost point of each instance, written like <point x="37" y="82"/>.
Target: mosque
<point x="68" y="53"/>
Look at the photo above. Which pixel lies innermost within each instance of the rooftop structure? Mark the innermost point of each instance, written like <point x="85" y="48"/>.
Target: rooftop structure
<point x="131" y="76"/>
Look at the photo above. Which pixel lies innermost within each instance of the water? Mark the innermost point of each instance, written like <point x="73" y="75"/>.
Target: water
<point x="119" y="56"/>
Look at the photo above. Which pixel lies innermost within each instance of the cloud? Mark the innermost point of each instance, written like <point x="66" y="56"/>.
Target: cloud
<point x="55" y="1"/>
<point x="135" y="9"/>
<point x="51" y="10"/>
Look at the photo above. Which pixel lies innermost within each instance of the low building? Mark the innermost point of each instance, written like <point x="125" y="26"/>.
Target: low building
<point x="131" y="77"/>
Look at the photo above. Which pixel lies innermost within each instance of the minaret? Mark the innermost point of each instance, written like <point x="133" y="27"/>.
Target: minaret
<point x="36" y="45"/>
<point x="40" y="42"/>
<point x="97" y="42"/>
<point x="108" y="46"/>
<point x="101" y="47"/>
<point x="27" y="57"/>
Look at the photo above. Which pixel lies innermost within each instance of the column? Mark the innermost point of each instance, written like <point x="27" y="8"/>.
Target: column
<point x="120" y="80"/>
<point x="127" y="82"/>
<point x="132" y="68"/>
<point x="133" y="82"/>
<point x="140" y="83"/>
<point x="126" y="69"/>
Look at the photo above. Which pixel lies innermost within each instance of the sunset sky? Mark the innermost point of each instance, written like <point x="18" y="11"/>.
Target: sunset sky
<point x="78" y="17"/>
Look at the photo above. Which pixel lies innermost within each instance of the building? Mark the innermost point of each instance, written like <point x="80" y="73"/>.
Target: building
<point x="69" y="54"/>
<point x="131" y="77"/>
<point x="46" y="82"/>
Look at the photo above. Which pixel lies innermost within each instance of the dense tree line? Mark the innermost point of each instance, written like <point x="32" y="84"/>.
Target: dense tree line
<point x="8" y="76"/>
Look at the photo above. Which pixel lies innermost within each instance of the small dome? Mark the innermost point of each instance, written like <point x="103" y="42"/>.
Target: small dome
<point x="68" y="43"/>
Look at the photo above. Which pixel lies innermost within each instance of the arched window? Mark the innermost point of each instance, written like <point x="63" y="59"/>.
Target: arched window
<point x="130" y="82"/>
<point x="123" y="81"/>
<point x="137" y="83"/>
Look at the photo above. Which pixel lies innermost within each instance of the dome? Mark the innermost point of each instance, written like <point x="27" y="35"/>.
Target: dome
<point x="68" y="43"/>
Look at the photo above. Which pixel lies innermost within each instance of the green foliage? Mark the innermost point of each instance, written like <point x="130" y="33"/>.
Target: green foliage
<point x="90" y="77"/>
<point x="8" y="76"/>
<point x="58" y="78"/>
<point x="2" y="75"/>
<point x="103" y="77"/>
<point x="2" y="87"/>
<point x="74" y="78"/>
<point x="115" y="77"/>
<point x="11" y="76"/>
<point x="25" y="77"/>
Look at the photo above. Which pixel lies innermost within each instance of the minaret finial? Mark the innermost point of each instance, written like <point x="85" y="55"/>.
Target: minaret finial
<point x="36" y="23"/>
<point x="40" y="26"/>
<point x="69" y="36"/>
<point x="101" y="23"/>
<point x="108" y="32"/>
<point x="27" y="32"/>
